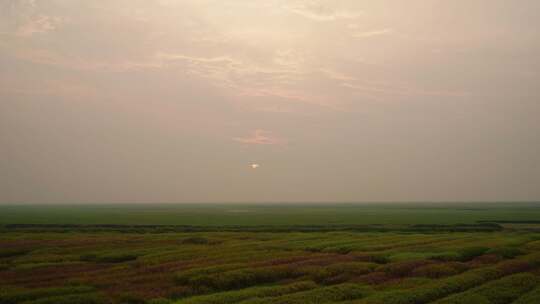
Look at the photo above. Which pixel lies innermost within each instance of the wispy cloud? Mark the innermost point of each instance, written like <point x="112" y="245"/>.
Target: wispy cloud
<point x="374" y="33"/>
<point x="384" y="90"/>
<point x="389" y="90"/>
<point x="318" y="12"/>
<point x="260" y="137"/>
<point x="194" y="59"/>
<point x="245" y="79"/>
<point x="38" y="25"/>
<point x="52" y="58"/>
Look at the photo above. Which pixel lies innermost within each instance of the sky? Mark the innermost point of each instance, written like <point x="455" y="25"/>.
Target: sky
<point x="130" y="101"/>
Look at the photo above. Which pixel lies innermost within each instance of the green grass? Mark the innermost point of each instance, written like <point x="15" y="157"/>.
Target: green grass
<point x="269" y="214"/>
<point x="42" y="294"/>
<point x="70" y="299"/>
<point x="400" y="262"/>
<point x="241" y="278"/>
<point x="455" y="284"/>
<point x="532" y="297"/>
<point x="116" y="257"/>
<point x="342" y="292"/>
<point x="501" y="291"/>
<point x="249" y="293"/>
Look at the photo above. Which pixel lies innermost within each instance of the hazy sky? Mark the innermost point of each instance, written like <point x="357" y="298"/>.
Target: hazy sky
<point x="352" y="100"/>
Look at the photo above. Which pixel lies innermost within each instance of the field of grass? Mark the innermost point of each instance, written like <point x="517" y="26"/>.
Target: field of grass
<point x="92" y="261"/>
<point x="269" y="214"/>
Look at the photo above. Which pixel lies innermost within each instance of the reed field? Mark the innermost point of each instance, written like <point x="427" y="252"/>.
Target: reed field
<point x="363" y="262"/>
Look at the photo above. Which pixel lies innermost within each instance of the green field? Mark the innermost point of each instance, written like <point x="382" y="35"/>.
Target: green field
<point x="271" y="254"/>
<point x="269" y="214"/>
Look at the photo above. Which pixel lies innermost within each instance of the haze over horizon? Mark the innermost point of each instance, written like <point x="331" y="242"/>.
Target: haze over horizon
<point x="269" y="101"/>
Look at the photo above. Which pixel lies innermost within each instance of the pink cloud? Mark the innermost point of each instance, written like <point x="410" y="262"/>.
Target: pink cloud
<point x="260" y="137"/>
<point x="39" y="25"/>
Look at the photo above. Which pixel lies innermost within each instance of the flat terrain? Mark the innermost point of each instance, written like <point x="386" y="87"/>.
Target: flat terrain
<point x="408" y="259"/>
<point x="269" y="214"/>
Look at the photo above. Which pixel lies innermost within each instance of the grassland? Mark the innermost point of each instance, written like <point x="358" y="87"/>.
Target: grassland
<point x="90" y="261"/>
<point x="204" y="215"/>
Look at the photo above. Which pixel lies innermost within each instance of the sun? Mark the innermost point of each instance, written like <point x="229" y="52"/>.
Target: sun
<point x="255" y="166"/>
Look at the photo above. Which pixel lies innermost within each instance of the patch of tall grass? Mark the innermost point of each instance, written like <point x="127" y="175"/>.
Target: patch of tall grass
<point x="501" y="291"/>
<point x="335" y="293"/>
<point x="20" y="296"/>
<point x="109" y="257"/>
<point x="532" y="297"/>
<point x="246" y="277"/>
<point x="249" y="293"/>
<point x="454" y="284"/>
